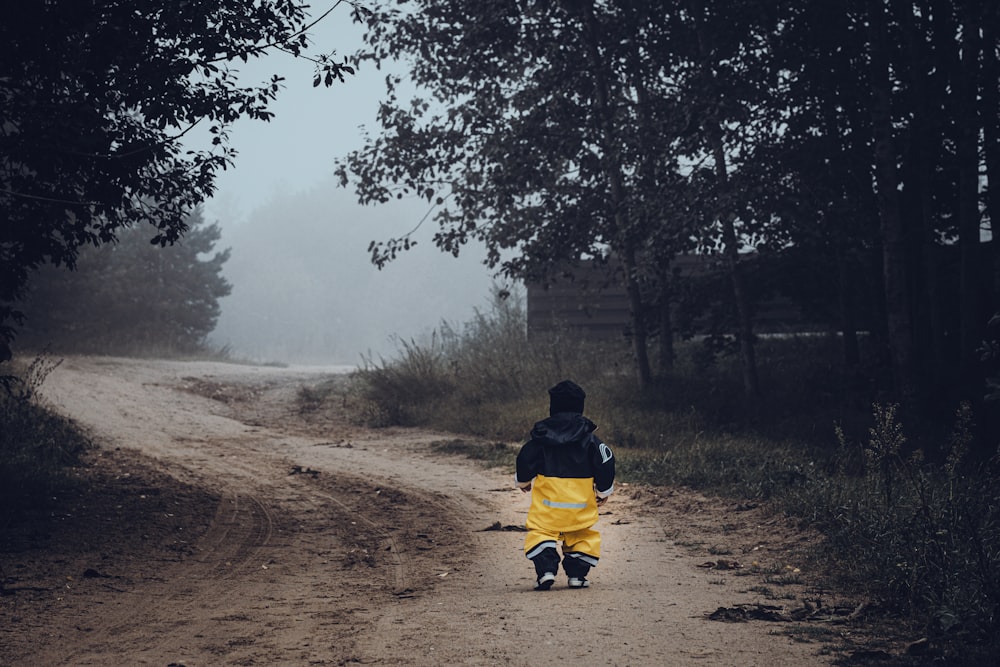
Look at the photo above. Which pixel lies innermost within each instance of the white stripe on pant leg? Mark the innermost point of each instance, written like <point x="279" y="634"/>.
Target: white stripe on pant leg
<point x="549" y="544"/>
<point x="590" y="560"/>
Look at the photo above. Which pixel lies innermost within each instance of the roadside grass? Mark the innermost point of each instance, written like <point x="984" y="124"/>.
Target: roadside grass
<point x="36" y="446"/>
<point x="919" y="538"/>
<point x="494" y="455"/>
<point x="138" y="350"/>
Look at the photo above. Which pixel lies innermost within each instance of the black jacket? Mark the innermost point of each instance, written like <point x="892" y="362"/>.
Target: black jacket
<point x="564" y="446"/>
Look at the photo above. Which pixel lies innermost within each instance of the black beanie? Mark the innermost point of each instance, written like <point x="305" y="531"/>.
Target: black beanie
<point x="567" y="396"/>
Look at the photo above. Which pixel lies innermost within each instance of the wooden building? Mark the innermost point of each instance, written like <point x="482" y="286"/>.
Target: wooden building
<point x="593" y="304"/>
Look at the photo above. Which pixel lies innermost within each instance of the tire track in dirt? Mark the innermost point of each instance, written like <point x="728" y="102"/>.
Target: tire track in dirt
<point x="254" y="567"/>
<point x="399" y="582"/>
<point x="230" y="546"/>
<point x="158" y="617"/>
<point x="236" y="584"/>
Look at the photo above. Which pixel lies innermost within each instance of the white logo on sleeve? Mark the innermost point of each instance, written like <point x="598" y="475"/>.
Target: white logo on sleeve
<point x="605" y="453"/>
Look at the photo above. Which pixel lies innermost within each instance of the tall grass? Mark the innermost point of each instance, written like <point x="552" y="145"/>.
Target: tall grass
<point x="481" y="379"/>
<point x="921" y="538"/>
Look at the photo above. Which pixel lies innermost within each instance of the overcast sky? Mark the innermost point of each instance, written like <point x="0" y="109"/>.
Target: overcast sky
<point x="311" y="127"/>
<point x="330" y="306"/>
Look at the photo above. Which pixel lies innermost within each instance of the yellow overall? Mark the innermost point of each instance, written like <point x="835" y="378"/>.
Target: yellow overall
<point x="563" y="509"/>
<point x="566" y="467"/>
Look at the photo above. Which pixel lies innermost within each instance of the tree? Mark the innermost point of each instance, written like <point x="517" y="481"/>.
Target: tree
<point x="95" y="98"/>
<point x="727" y="55"/>
<point x="855" y="138"/>
<point x="131" y="296"/>
<point x="889" y="137"/>
<point x="540" y="151"/>
<point x="931" y="78"/>
<point x="823" y="203"/>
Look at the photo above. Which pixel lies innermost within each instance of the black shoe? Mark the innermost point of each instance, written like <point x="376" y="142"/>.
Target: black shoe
<point x="545" y="581"/>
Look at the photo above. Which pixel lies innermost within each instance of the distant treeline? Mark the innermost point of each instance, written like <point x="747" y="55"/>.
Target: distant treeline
<point x="131" y="297"/>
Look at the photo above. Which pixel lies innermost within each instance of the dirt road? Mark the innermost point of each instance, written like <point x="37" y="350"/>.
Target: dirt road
<point x="225" y="525"/>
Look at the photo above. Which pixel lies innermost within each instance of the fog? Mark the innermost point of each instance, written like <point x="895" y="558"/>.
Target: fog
<point x="304" y="290"/>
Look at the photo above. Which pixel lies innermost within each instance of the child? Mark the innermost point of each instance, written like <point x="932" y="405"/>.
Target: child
<point x="569" y="472"/>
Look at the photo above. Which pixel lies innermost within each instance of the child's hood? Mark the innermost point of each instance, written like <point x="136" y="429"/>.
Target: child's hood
<point x="563" y="428"/>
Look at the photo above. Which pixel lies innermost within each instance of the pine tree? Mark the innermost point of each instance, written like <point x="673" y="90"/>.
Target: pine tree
<point x="132" y="297"/>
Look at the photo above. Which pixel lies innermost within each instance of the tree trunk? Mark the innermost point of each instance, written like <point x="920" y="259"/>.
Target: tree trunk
<point x="731" y="255"/>
<point x="972" y="324"/>
<point x="846" y="284"/>
<point x="924" y="140"/>
<point x="730" y="249"/>
<point x="894" y="273"/>
<point x="663" y="251"/>
<point x="624" y="243"/>
<point x="990" y="119"/>
<point x="640" y="337"/>
<point x="666" y="340"/>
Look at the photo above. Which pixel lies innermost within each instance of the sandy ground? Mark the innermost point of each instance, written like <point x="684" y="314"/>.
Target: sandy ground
<point x="221" y="523"/>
